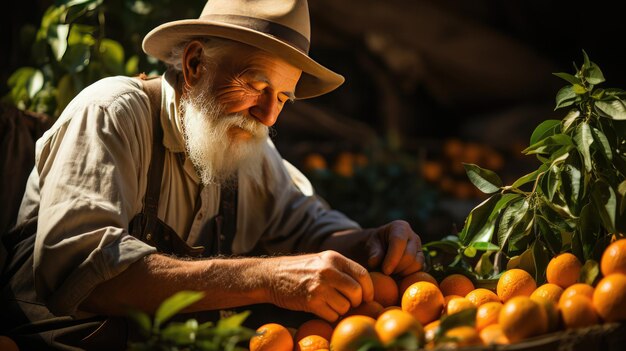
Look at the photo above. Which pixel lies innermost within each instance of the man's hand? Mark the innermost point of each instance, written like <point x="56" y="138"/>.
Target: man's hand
<point x="326" y="283"/>
<point x="397" y="247"/>
<point x="393" y="248"/>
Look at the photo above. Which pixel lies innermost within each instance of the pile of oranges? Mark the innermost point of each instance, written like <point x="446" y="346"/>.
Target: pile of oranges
<point x="515" y="311"/>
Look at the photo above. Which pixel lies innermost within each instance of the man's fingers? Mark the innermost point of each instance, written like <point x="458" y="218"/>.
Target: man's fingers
<point x="338" y="302"/>
<point x="397" y="240"/>
<point x="360" y="274"/>
<point x="326" y="312"/>
<point x="376" y="251"/>
<point x="349" y="287"/>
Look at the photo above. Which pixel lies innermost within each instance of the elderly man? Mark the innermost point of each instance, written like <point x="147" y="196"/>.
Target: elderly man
<point x="136" y="174"/>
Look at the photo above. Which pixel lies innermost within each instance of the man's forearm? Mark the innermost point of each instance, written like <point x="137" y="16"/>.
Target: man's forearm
<point x="350" y="243"/>
<point x="146" y="283"/>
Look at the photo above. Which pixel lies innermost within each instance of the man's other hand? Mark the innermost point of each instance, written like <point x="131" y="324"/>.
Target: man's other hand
<point x="395" y="248"/>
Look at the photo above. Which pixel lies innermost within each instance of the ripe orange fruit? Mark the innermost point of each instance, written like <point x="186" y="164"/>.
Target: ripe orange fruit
<point x="352" y="332"/>
<point x="414" y="278"/>
<point x="515" y="282"/>
<point x="446" y="300"/>
<point x="549" y="292"/>
<point x="552" y="313"/>
<point x="521" y="318"/>
<point x="344" y="164"/>
<point x="431" y="170"/>
<point x="614" y="258"/>
<point x="487" y="314"/>
<point x="271" y="337"/>
<point x="394" y="323"/>
<point x="609" y="298"/>
<point x="424" y="301"/>
<point x="493" y="334"/>
<point x="577" y="312"/>
<point x="563" y="270"/>
<point x="459" y="304"/>
<point x="312" y="343"/>
<point x="581" y="289"/>
<point x="456" y="284"/>
<point x="314" y="327"/>
<point x="385" y="289"/>
<point x="368" y="308"/>
<point x="461" y="337"/>
<point x="314" y="161"/>
<point x="430" y="329"/>
<point x="7" y="344"/>
<point x="480" y="296"/>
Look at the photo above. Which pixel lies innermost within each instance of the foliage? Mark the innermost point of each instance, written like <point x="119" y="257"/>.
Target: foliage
<point x="81" y="41"/>
<point x="573" y="202"/>
<point x="379" y="186"/>
<point x="188" y="335"/>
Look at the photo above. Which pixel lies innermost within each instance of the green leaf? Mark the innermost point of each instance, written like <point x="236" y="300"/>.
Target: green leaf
<point x="593" y="74"/>
<point x="511" y="216"/>
<point x="530" y="177"/>
<point x="35" y="83"/>
<point x="583" y="140"/>
<point x="57" y="38"/>
<point x="484" y="266"/>
<point x="570" y="118"/>
<point x="585" y="235"/>
<point x="565" y="97"/>
<point x="545" y="129"/>
<point x="604" y="200"/>
<point x="180" y="333"/>
<point x="481" y="225"/>
<point x="571" y="185"/>
<point x="234" y="321"/>
<point x="543" y="145"/>
<point x="541" y="258"/>
<point x="621" y="189"/>
<point x="485" y="180"/>
<point x="579" y="89"/>
<point x="175" y="304"/>
<point x="550" y="182"/>
<point x="484" y="246"/>
<point x="112" y="56"/>
<point x="568" y="77"/>
<point x="132" y="65"/>
<point x="466" y="317"/>
<point x="615" y="109"/>
<point x="603" y="143"/>
<point x="142" y="320"/>
<point x="551" y="236"/>
<point x="477" y="218"/>
<point x="590" y="272"/>
<point x="470" y="251"/>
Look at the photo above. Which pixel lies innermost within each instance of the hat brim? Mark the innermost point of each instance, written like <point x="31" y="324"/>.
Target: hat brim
<point x="315" y="80"/>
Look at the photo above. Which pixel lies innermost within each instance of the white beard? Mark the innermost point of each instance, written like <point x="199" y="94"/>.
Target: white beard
<point x="216" y="155"/>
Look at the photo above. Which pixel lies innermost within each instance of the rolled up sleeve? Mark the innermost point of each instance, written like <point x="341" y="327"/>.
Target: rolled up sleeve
<point x="92" y="167"/>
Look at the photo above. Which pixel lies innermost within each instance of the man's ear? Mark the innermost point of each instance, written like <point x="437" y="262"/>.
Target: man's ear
<point x="193" y="69"/>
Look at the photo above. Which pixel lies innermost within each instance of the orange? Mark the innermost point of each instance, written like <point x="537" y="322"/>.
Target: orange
<point x="314" y="327"/>
<point x="430" y="329"/>
<point x="480" y="296"/>
<point x="446" y="300"/>
<point x="515" y="282"/>
<point x="461" y="337"/>
<point x="577" y="312"/>
<point x="521" y="318"/>
<point x="459" y="304"/>
<point x="369" y="308"/>
<point x="352" y="333"/>
<point x="609" y="298"/>
<point x="563" y="270"/>
<point x="312" y="343"/>
<point x="552" y="313"/>
<point x="7" y="344"/>
<point x="487" y="314"/>
<point x="614" y="258"/>
<point x="581" y="289"/>
<point x="549" y="292"/>
<point x="456" y="284"/>
<point x="414" y="278"/>
<point x="271" y="337"/>
<point x="344" y="164"/>
<point x="394" y="323"/>
<point x="314" y="161"/>
<point x="424" y="301"/>
<point x="385" y="289"/>
<point x="432" y="170"/>
<point x="492" y="334"/>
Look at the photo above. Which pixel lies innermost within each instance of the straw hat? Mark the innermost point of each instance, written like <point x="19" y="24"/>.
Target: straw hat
<point x="280" y="27"/>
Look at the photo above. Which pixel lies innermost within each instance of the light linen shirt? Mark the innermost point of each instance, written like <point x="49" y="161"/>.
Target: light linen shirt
<point x="90" y="178"/>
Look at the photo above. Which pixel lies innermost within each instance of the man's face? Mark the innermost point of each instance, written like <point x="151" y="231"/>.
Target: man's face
<point x="227" y="114"/>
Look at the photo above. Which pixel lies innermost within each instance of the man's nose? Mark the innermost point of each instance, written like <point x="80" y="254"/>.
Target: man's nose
<point x="266" y="110"/>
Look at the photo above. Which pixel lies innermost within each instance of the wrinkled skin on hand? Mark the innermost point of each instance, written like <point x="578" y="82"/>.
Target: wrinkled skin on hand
<point x="394" y="248"/>
<point x="327" y="283"/>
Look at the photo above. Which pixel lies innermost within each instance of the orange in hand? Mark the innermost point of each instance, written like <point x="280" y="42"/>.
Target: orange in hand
<point x="385" y="289"/>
